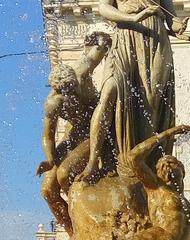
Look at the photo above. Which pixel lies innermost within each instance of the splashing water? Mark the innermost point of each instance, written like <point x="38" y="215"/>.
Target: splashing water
<point x="182" y="198"/>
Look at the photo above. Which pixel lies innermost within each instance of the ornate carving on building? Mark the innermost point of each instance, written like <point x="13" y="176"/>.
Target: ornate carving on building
<point x="66" y="24"/>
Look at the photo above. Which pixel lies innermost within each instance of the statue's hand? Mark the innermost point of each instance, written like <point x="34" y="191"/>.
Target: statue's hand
<point x="147" y="12"/>
<point x="178" y="25"/>
<point x="44" y="166"/>
<point x="88" y="173"/>
<point x="182" y="129"/>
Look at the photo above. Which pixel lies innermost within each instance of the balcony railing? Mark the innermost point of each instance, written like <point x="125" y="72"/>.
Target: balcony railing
<point x="46" y="2"/>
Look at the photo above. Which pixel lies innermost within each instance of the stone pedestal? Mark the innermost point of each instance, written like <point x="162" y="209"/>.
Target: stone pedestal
<point x="105" y="210"/>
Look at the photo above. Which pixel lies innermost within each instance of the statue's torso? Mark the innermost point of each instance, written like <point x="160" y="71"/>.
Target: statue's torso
<point x="165" y="207"/>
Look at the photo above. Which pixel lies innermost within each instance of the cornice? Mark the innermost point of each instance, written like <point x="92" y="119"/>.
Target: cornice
<point x="67" y="34"/>
<point x="78" y="8"/>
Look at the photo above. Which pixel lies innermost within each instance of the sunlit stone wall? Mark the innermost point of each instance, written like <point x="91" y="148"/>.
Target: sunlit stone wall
<point x="182" y="74"/>
<point x="66" y="24"/>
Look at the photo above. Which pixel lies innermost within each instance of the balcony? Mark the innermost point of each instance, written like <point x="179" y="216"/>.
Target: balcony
<point x="182" y="7"/>
<point x="78" y="8"/>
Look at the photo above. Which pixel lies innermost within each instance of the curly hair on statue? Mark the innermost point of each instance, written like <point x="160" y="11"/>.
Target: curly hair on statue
<point x="62" y="77"/>
<point x="94" y="39"/>
<point x="166" y="163"/>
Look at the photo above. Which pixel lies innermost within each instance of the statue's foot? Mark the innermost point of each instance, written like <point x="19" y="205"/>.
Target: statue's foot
<point x="80" y="177"/>
<point x="89" y="176"/>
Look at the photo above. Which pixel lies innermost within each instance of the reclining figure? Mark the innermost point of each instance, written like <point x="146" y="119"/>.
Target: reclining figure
<point x="169" y="210"/>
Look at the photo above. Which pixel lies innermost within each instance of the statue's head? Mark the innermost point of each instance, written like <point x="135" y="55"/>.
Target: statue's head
<point x="63" y="78"/>
<point x="101" y="39"/>
<point x="171" y="171"/>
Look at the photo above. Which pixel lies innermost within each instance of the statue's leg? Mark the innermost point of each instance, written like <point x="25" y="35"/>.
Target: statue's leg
<point x="100" y="124"/>
<point x="154" y="233"/>
<point x="73" y="165"/>
<point x="51" y="193"/>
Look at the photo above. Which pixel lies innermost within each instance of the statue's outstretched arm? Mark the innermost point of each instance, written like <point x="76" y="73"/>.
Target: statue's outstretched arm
<point x="111" y="13"/>
<point x="52" y="108"/>
<point x="136" y="157"/>
<point x="144" y="148"/>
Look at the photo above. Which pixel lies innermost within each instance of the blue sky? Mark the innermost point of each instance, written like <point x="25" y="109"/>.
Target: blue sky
<point x="22" y="93"/>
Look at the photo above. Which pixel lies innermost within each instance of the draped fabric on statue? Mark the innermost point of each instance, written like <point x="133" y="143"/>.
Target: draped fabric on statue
<point x="140" y="63"/>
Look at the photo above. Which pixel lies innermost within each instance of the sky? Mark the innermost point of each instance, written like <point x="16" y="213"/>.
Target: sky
<point x="22" y="94"/>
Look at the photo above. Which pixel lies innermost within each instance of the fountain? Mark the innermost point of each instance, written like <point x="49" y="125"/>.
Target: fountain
<point x="116" y="169"/>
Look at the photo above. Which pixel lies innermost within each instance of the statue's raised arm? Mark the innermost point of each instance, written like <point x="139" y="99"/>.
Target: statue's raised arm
<point x="138" y="155"/>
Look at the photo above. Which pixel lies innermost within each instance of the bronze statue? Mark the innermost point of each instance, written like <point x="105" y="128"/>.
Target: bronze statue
<point x="113" y="207"/>
<point x="135" y="114"/>
<point x="169" y="210"/>
<point x="73" y="98"/>
<point x="137" y="94"/>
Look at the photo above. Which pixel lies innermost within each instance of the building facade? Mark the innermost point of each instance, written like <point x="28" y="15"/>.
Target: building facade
<point x="57" y="234"/>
